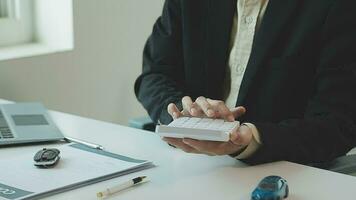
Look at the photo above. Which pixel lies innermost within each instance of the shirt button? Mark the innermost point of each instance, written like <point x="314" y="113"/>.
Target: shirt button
<point x="239" y="69"/>
<point x="248" y="20"/>
<point x="237" y="65"/>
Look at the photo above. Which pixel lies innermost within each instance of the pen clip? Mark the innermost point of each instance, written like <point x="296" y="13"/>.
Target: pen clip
<point x="89" y="144"/>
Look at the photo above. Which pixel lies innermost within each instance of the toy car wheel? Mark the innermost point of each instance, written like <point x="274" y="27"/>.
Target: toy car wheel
<point x="287" y="192"/>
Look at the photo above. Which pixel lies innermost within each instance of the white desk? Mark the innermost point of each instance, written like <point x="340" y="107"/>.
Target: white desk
<point x="183" y="176"/>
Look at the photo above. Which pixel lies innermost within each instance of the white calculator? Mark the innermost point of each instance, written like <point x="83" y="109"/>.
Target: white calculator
<point x="198" y="128"/>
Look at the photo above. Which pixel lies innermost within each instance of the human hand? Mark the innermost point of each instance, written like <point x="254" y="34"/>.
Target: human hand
<point x="205" y="107"/>
<point x="239" y="139"/>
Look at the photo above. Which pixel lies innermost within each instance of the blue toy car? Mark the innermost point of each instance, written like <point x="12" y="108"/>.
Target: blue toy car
<point x="271" y="188"/>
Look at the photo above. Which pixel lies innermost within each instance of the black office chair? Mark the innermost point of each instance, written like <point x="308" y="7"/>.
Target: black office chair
<point x="143" y="123"/>
<point x="344" y="164"/>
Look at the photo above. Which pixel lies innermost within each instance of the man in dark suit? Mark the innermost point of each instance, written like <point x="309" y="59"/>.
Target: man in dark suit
<point x="285" y="68"/>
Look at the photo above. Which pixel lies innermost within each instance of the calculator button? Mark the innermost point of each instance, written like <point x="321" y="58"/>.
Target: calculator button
<point x="204" y="123"/>
<point x="216" y="124"/>
<point x="179" y="122"/>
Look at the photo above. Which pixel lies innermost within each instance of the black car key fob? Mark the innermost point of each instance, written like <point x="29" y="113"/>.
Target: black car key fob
<point x="46" y="157"/>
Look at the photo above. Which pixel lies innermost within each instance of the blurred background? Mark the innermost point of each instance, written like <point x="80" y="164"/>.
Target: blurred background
<point x="75" y="56"/>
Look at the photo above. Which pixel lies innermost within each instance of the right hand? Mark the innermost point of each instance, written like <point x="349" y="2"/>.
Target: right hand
<point x="205" y="107"/>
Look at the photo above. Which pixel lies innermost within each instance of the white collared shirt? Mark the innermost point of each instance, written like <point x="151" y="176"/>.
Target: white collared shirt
<point x="246" y="23"/>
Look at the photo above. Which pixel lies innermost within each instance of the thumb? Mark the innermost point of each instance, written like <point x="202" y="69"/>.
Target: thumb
<point x="241" y="136"/>
<point x="238" y="111"/>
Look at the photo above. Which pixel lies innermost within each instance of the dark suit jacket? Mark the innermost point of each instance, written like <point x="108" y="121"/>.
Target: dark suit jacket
<point x="299" y="87"/>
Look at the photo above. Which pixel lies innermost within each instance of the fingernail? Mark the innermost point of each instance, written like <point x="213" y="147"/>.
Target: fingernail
<point x="210" y="112"/>
<point x="175" y="115"/>
<point x="234" y="137"/>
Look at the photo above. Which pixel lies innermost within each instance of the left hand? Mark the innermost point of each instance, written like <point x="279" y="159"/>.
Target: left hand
<point x="239" y="139"/>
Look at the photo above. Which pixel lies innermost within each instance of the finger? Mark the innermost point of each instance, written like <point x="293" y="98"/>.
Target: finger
<point x="242" y="136"/>
<point x="179" y="144"/>
<point x="224" y="111"/>
<point x="191" y="108"/>
<point x="238" y="111"/>
<point x="196" y="111"/>
<point x="174" y="111"/>
<point x="205" y="106"/>
<point x="206" y="147"/>
<point x="188" y="106"/>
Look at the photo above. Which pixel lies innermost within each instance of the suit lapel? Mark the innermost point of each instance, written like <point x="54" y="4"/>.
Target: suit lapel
<point x="219" y="23"/>
<point x="277" y="17"/>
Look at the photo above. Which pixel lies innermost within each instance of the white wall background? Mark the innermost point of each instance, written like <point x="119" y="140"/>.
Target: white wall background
<point x="96" y="78"/>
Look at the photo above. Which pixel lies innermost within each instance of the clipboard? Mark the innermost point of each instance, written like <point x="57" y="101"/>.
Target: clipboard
<point x="20" y="179"/>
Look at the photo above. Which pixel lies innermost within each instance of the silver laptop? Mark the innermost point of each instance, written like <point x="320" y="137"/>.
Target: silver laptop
<point x="26" y="123"/>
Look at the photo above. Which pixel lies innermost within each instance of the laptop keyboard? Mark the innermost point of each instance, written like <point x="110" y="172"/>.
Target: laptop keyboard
<point x="5" y="132"/>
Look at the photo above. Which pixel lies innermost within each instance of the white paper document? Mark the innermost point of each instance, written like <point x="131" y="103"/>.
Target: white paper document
<point x="78" y="166"/>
